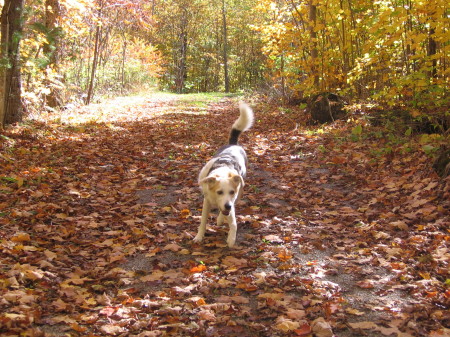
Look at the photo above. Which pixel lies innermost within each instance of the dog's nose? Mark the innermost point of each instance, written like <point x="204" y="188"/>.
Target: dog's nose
<point x="227" y="206"/>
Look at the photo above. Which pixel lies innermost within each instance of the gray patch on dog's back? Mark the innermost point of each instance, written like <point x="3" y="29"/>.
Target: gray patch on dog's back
<point x="231" y="156"/>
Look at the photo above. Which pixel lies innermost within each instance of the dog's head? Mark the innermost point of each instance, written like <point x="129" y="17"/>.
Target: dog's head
<point x="223" y="190"/>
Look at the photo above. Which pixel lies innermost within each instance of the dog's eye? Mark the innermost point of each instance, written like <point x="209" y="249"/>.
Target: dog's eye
<point x="219" y="192"/>
<point x="231" y="192"/>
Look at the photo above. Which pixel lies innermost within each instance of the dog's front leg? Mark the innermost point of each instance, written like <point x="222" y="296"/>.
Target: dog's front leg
<point x="220" y="219"/>
<point x="202" y="228"/>
<point x="231" y="219"/>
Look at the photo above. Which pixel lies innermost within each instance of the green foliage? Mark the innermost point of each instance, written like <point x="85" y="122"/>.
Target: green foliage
<point x="190" y="36"/>
<point x="9" y="179"/>
<point x="357" y="132"/>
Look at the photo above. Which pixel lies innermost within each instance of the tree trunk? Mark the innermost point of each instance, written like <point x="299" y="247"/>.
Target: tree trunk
<point x="345" y="58"/>
<point x="11" y="107"/>
<point x="124" y="52"/>
<point x="283" y="81"/>
<point x="181" y="63"/>
<point x="51" y="48"/>
<point x="90" y="92"/>
<point x="225" y="47"/>
<point x="313" y="35"/>
<point x="432" y="48"/>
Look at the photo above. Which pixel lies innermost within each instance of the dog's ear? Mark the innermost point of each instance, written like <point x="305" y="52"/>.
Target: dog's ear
<point x="237" y="179"/>
<point x="208" y="180"/>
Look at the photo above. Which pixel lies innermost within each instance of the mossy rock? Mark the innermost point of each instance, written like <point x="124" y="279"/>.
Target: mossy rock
<point x="326" y="107"/>
<point x="442" y="163"/>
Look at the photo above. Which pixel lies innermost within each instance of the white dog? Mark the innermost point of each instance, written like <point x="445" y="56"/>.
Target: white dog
<point x="222" y="178"/>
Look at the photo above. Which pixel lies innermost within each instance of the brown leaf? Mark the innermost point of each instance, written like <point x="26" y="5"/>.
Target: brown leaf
<point x="321" y="328"/>
<point x="363" y="325"/>
<point x="366" y="284"/>
<point x="173" y="247"/>
<point x="231" y="261"/>
<point x="206" y="315"/>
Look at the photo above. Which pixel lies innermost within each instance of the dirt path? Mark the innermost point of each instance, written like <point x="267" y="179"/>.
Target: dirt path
<point x="97" y="238"/>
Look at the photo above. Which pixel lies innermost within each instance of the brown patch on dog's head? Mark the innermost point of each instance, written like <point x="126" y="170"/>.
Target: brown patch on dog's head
<point x="210" y="181"/>
<point x="236" y="179"/>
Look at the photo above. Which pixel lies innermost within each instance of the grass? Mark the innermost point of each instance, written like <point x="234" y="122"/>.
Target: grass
<point x="200" y="100"/>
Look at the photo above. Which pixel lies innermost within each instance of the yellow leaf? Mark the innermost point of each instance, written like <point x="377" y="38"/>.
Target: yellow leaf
<point x="355" y="312"/>
<point x="426" y="276"/>
<point x="286" y="325"/>
<point x="34" y="274"/>
<point x="19" y="182"/>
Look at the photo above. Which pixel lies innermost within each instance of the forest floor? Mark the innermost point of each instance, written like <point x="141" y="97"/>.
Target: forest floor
<point x="343" y="229"/>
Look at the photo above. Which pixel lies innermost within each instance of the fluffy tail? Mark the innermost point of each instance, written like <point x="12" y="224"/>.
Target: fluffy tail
<point x="243" y="123"/>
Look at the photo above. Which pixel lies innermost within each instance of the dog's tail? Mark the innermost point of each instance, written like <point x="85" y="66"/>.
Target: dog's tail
<point x="243" y="123"/>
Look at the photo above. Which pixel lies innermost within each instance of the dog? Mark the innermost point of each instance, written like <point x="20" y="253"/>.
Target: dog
<point x="221" y="180"/>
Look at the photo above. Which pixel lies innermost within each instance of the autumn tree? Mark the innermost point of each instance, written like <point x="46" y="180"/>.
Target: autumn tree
<point x="393" y="51"/>
<point x="178" y="23"/>
<point x="11" y="107"/>
<point x="210" y="47"/>
<point x="225" y="46"/>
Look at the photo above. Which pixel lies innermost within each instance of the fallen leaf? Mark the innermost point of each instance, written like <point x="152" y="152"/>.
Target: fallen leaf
<point x="21" y="237"/>
<point x="198" y="269"/>
<point x="355" y="312"/>
<point x="206" y="315"/>
<point x="231" y="261"/>
<point x="303" y="330"/>
<point x="295" y="314"/>
<point x="155" y="276"/>
<point x="321" y="328"/>
<point x="286" y="325"/>
<point x="111" y="329"/>
<point x="363" y="325"/>
<point x="366" y="284"/>
<point x="173" y="247"/>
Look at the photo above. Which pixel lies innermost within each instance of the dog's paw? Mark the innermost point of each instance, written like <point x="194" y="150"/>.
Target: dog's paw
<point x="231" y="242"/>
<point x="198" y="238"/>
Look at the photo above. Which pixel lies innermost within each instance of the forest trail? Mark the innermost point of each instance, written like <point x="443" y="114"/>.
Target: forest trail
<point x="336" y="234"/>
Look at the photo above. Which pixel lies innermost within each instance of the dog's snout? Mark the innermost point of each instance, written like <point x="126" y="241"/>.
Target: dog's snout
<point x="228" y="206"/>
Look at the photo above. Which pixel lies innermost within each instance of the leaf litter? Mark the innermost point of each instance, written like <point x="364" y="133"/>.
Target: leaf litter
<point x="99" y="208"/>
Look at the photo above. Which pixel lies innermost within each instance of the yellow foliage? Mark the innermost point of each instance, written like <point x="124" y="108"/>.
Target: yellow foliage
<point x="377" y="45"/>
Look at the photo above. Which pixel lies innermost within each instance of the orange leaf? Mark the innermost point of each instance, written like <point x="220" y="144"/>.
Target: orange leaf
<point x="21" y="237"/>
<point x="198" y="269"/>
<point x="303" y="330"/>
<point x="200" y="302"/>
<point x="76" y="327"/>
<point x="284" y="255"/>
<point x="338" y="160"/>
<point x="431" y="294"/>
<point x="185" y="213"/>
